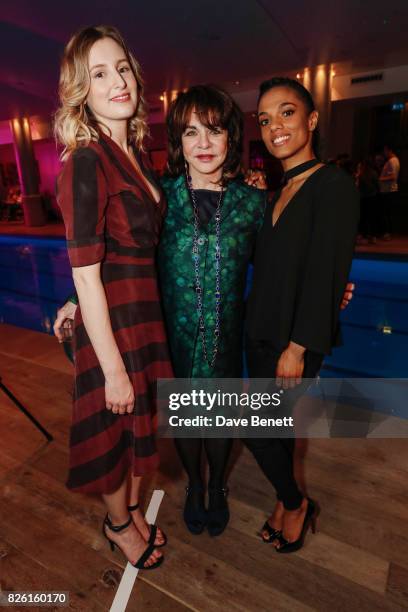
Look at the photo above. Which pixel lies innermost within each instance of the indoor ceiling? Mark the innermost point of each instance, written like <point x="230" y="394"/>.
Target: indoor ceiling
<point x="235" y="43"/>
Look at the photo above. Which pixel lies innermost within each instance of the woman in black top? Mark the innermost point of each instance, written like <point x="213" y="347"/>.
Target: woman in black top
<point x="302" y="260"/>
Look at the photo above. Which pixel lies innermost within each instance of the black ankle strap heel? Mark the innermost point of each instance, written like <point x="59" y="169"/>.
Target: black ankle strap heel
<point x="115" y="528"/>
<point x="140" y="563"/>
<point x="153" y="530"/>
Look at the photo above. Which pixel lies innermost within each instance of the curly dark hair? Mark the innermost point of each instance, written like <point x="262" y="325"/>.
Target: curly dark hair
<point x="215" y="108"/>
<point x="303" y="94"/>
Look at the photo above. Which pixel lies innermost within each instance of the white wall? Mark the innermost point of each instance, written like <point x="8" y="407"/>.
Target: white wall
<point x="393" y="81"/>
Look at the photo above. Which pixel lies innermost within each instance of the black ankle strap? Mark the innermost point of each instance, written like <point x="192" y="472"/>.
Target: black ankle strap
<point x="117" y="528"/>
<point x="134" y="507"/>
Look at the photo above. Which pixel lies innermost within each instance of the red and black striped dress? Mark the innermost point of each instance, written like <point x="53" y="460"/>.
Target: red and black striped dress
<point x="111" y="217"/>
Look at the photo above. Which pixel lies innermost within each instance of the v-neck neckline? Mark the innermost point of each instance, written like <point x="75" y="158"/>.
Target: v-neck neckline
<point x="278" y="193"/>
<point x="136" y="170"/>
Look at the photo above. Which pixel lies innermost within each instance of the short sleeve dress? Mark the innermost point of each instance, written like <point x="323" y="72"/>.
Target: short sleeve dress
<point x="111" y="217"/>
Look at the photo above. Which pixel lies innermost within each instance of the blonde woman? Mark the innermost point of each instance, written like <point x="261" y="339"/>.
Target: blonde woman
<point x="113" y="210"/>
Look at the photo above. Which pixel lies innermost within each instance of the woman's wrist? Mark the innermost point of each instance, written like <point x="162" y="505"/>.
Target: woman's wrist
<point x="296" y="349"/>
<point x="114" y="373"/>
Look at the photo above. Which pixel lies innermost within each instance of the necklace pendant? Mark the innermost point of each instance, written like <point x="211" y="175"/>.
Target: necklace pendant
<point x="198" y="287"/>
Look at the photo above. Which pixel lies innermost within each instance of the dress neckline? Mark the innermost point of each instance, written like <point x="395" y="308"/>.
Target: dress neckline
<point x="279" y="191"/>
<point x="128" y="162"/>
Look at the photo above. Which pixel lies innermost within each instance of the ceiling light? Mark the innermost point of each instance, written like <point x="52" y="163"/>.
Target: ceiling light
<point x="162" y="98"/>
<point x="298" y="75"/>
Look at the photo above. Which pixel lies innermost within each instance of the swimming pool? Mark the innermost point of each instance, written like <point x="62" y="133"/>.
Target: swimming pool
<point x="36" y="278"/>
<point x="375" y="326"/>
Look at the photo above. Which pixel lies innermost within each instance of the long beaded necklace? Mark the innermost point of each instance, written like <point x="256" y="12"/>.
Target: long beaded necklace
<point x="198" y="287"/>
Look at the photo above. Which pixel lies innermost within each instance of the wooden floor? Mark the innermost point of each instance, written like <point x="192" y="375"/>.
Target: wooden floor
<point x="50" y="538"/>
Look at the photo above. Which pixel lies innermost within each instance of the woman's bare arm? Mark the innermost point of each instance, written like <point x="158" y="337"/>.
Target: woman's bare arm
<point x="95" y="315"/>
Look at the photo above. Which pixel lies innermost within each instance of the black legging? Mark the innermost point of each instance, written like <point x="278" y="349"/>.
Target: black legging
<point x="275" y="455"/>
<point x="217" y="451"/>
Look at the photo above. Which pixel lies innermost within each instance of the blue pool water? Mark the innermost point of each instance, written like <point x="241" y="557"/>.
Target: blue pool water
<point x="36" y="278"/>
<point x="375" y="325"/>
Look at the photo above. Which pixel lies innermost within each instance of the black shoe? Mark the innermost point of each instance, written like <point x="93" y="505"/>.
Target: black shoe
<point x="218" y="512"/>
<point x="273" y="534"/>
<point x="153" y="530"/>
<point x="309" y="521"/>
<point x="195" y="514"/>
<point x="140" y="563"/>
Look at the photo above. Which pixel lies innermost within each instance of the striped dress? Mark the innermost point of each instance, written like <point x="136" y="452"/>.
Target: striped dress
<point x="111" y="217"/>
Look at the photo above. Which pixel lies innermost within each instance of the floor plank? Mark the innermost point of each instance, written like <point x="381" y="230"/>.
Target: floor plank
<point x="51" y="537"/>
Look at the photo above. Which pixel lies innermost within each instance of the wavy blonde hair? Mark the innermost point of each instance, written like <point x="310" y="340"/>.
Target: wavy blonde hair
<point x="74" y="124"/>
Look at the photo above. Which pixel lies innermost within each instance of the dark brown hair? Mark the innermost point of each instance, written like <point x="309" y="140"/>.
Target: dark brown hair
<point x="215" y="108"/>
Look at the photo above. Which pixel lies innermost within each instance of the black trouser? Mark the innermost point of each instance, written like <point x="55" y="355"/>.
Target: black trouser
<point x="217" y="451"/>
<point x="370" y="216"/>
<point x="275" y="455"/>
<point x="388" y="202"/>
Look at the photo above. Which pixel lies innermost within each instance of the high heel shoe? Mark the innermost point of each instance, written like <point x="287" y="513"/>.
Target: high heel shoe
<point x="273" y="534"/>
<point x="309" y="521"/>
<point x="152" y="529"/>
<point x="140" y="563"/>
<point x="195" y="515"/>
<point x="218" y="511"/>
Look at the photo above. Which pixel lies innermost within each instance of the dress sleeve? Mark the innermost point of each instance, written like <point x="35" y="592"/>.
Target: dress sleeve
<point x="82" y="196"/>
<point x="327" y="264"/>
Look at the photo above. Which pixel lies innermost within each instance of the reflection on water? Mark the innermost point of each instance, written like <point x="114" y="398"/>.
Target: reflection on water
<point x="35" y="279"/>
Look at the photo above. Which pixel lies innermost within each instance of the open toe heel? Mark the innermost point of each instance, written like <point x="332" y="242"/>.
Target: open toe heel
<point x="152" y="529"/>
<point x="273" y="534"/>
<point x="309" y="521"/>
<point x="140" y="563"/>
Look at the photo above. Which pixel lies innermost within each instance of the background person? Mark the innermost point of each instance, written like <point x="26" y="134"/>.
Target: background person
<point x="367" y="184"/>
<point x="388" y="181"/>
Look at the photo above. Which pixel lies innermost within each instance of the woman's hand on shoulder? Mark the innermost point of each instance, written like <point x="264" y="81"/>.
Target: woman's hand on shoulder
<point x="119" y="394"/>
<point x="256" y="178"/>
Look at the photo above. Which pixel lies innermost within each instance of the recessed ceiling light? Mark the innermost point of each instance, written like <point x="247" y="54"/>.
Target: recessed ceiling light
<point x="162" y="98"/>
<point x="298" y="75"/>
